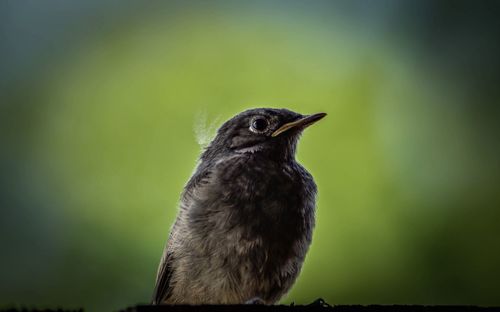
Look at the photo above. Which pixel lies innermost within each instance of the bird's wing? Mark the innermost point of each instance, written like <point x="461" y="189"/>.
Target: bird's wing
<point x="163" y="288"/>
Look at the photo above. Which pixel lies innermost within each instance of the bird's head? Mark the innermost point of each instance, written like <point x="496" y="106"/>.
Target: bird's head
<point x="262" y="130"/>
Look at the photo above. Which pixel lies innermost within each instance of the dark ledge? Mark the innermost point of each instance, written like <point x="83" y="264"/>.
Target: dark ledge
<point x="311" y="307"/>
<point x="318" y="305"/>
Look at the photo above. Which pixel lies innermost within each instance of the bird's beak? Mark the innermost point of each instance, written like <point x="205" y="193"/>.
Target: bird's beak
<point x="300" y="123"/>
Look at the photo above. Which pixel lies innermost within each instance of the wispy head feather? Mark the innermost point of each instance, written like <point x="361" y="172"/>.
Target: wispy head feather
<point x="203" y="129"/>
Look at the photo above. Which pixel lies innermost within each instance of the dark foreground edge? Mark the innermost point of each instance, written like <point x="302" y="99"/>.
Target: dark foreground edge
<point x="325" y="308"/>
<point x="313" y="307"/>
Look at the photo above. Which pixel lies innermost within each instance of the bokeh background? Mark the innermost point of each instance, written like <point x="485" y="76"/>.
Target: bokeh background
<point x="103" y="102"/>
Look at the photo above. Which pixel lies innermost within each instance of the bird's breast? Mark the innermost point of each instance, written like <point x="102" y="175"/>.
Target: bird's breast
<point x="251" y="220"/>
<point x="270" y="204"/>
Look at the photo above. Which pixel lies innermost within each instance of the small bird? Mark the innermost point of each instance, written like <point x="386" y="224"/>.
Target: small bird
<point x="246" y="215"/>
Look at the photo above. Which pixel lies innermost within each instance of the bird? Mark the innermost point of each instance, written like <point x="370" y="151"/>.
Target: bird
<point x="246" y="215"/>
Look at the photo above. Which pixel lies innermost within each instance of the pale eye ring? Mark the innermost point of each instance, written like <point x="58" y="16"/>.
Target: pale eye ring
<point x="259" y="124"/>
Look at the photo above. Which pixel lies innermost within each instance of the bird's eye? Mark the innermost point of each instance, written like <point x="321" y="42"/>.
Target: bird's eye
<point x="259" y="124"/>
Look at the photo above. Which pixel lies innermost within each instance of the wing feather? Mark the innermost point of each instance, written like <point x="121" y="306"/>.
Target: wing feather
<point x="163" y="289"/>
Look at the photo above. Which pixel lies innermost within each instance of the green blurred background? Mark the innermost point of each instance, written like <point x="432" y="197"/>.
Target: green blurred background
<point x="102" y="102"/>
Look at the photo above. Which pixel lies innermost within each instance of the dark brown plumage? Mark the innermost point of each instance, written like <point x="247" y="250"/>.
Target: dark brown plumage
<point x="246" y="216"/>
